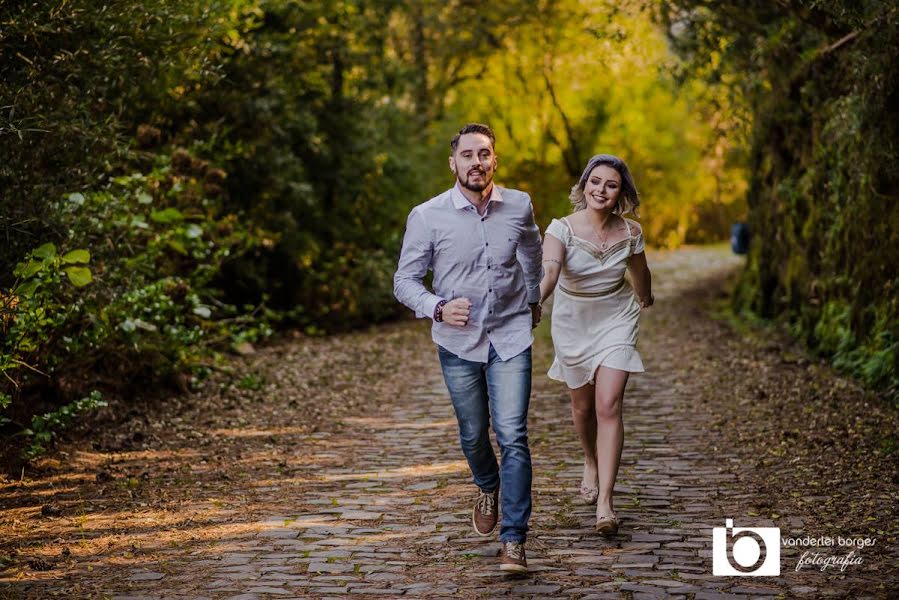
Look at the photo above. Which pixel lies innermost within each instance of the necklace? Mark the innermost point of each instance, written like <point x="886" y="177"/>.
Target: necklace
<point x="602" y="240"/>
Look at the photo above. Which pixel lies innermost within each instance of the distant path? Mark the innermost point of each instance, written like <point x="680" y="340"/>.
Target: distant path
<point x="331" y="468"/>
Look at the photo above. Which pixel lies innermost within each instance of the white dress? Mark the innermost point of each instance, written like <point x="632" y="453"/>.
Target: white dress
<point x="595" y="314"/>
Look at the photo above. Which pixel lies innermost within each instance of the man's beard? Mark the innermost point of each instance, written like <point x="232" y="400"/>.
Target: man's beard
<point x="475" y="187"/>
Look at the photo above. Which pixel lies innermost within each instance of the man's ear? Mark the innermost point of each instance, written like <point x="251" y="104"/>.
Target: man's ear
<point x="452" y="164"/>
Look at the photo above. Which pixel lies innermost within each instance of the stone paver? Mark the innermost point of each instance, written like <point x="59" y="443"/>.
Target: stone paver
<point x="382" y="505"/>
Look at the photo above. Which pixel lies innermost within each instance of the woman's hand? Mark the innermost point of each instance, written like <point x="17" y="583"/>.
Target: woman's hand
<point x="536" y="314"/>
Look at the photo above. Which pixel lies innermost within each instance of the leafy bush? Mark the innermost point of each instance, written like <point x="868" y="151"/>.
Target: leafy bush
<point x="180" y="178"/>
<point x="44" y="428"/>
<point x="136" y="286"/>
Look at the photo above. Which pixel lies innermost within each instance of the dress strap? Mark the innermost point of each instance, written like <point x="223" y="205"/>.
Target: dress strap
<point x="567" y="224"/>
<point x="630" y="236"/>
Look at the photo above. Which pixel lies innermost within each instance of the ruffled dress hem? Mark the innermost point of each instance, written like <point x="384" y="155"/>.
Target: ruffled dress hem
<point x="624" y="359"/>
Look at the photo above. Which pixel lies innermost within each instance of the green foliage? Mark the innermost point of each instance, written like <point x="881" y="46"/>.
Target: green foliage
<point x="251" y="382"/>
<point x="44" y="428"/>
<point x="181" y="177"/>
<point x="833" y="331"/>
<point x="821" y="82"/>
<point x="5" y="401"/>
<point x="128" y="112"/>
<point x="39" y="304"/>
<point x="152" y="252"/>
<point x="580" y="80"/>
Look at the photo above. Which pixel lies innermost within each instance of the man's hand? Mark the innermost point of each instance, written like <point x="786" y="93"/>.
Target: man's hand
<point x="536" y="314"/>
<point x="647" y="302"/>
<point x="455" y="312"/>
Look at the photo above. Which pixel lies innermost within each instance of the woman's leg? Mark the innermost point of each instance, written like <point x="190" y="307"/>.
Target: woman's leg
<point x="583" y="414"/>
<point x="609" y="386"/>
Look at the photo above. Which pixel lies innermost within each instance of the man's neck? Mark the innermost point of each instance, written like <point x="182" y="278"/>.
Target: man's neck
<point x="478" y="199"/>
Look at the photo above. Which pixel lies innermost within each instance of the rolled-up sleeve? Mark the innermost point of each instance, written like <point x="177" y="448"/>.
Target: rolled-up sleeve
<point x="415" y="261"/>
<point x="530" y="255"/>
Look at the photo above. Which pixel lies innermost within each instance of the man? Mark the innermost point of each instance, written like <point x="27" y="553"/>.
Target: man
<point x="484" y="248"/>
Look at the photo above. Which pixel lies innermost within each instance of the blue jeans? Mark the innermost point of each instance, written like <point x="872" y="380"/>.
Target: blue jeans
<point x="498" y="390"/>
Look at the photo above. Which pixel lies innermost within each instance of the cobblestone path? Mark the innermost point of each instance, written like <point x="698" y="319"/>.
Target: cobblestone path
<point x="379" y="505"/>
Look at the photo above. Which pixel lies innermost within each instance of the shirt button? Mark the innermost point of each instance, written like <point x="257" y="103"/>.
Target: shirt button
<point x="490" y="290"/>
<point x="483" y="218"/>
<point x="486" y="243"/>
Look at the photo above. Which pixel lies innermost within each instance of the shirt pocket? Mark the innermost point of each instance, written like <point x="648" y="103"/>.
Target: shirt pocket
<point x="505" y="252"/>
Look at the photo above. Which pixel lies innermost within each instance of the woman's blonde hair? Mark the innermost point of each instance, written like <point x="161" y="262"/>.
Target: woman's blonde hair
<point x="628" y="199"/>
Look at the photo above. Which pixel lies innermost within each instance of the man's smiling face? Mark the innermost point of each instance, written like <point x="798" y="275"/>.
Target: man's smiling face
<point x="474" y="161"/>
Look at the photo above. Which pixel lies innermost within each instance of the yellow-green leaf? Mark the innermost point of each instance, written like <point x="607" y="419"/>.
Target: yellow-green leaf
<point x="168" y="215"/>
<point x="26" y="270"/>
<point x="47" y="250"/>
<point x="76" y="257"/>
<point x="79" y="276"/>
<point x="28" y="288"/>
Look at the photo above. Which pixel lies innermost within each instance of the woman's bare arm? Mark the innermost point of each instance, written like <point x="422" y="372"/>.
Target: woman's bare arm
<point x="641" y="278"/>
<point x="553" y="259"/>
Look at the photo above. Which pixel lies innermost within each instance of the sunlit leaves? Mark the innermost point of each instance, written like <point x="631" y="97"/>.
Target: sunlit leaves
<point x="47" y="250"/>
<point x="28" y="288"/>
<point x="80" y="256"/>
<point x="28" y="269"/>
<point x="168" y="215"/>
<point x="563" y="92"/>
<point x="79" y="276"/>
<point x="48" y="264"/>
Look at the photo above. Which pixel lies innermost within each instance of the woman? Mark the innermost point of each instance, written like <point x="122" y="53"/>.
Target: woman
<point x="595" y="317"/>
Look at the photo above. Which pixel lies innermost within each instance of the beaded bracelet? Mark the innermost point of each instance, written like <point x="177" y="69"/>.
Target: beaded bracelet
<point x="438" y="311"/>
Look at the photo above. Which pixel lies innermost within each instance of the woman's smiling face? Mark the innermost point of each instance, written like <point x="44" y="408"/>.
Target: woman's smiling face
<point x="602" y="188"/>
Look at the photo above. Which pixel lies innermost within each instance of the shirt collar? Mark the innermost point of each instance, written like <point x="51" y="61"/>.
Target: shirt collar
<point x="460" y="201"/>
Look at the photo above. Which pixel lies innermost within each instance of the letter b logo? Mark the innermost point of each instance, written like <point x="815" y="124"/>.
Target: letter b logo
<point x="745" y="551"/>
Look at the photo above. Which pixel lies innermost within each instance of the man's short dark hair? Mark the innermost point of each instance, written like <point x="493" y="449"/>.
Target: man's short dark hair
<point x="473" y="128"/>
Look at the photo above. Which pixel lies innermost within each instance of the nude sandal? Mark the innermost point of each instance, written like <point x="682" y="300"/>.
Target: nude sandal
<point x="607" y="525"/>
<point x="589" y="494"/>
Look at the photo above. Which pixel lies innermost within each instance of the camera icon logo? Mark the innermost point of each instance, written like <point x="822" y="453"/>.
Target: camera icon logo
<point x="745" y="551"/>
